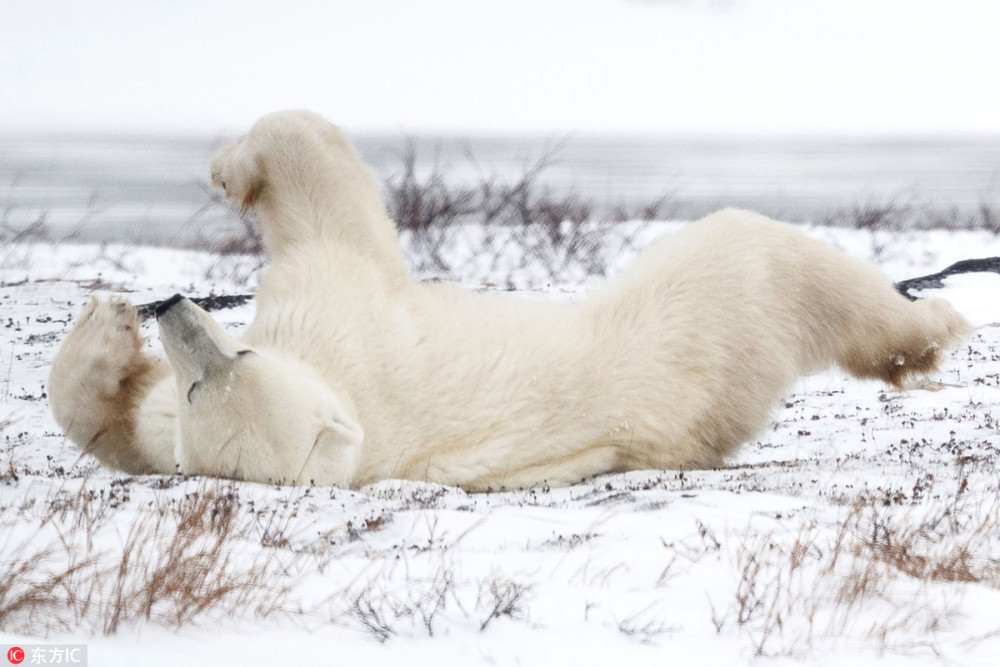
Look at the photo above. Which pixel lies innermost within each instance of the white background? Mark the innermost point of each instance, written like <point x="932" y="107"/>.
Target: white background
<point x="737" y="66"/>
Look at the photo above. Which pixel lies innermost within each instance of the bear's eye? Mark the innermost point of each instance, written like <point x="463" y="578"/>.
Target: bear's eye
<point x="194" y="386"/>
<point x="243" y="353"/>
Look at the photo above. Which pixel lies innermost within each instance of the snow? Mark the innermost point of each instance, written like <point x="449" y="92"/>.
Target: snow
<point x="853" y="484"/>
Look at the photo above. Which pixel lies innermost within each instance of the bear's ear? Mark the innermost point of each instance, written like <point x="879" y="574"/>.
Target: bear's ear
<point x="343" y="432"/>
<point x="334" y="455"/>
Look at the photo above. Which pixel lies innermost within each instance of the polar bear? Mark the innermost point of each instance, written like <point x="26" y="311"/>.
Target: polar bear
<point x="352" y="372"/>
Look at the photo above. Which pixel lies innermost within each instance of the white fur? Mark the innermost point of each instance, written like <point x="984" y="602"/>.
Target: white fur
<point x="673" y="365"/>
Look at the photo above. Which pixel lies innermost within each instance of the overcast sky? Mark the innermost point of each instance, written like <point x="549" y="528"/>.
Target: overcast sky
<point x="709" y="66"/>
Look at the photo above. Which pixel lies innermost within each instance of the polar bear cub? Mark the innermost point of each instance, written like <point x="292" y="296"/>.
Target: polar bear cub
<point x="353" y="372"/>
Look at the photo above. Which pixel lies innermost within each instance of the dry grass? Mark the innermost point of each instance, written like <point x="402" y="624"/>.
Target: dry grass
<point x="889" y="566"/>
<point x="100" y="563"/>
<point x="192" y="559"/>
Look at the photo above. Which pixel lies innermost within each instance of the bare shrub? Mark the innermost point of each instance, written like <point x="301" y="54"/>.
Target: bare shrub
<point x="645" y="627"/>
<point x="879" y="216"/>
<point x="384" y="612"/>
<point x="903" y="212"/>
<point x="10" y="233"/>
<point x="427" y="208"/>
<point x="245" y="237"/>
<point x="246" y="241"/>
<point x="501" y="597"/>
<point x="987" y="217"/>
<point x="34" y="232"/>
<point x="663" y="207"/>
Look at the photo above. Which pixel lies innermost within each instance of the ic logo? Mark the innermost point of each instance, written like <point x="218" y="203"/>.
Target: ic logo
<point x="15" y="655"/>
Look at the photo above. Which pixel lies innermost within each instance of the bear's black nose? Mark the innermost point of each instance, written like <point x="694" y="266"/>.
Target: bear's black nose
<point x="164" y="306"/>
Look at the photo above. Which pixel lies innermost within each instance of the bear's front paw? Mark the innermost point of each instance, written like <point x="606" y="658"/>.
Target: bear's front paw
<point x="239" y="174"/>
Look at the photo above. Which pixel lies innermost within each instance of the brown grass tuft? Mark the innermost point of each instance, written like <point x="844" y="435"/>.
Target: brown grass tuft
<point x="886" y="576"/>
<point x="177" y="564"/>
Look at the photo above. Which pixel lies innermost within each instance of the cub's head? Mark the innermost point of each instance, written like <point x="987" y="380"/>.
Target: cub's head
<point x="250" y="413"/>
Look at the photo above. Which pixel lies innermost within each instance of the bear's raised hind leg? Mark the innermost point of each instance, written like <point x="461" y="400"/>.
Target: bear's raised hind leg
<point x="97" y="383"/>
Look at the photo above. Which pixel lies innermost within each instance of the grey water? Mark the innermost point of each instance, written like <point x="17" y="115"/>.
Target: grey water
<point x="153" y="189"/>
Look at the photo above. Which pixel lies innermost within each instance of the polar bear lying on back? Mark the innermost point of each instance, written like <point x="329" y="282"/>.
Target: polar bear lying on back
<point x="353" y="372"/>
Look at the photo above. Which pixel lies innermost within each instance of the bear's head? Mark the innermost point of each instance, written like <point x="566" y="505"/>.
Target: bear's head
<point x="253" y="413"/>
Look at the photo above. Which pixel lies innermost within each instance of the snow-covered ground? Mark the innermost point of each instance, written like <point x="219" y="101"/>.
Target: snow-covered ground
<point x="863" y="527"/>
